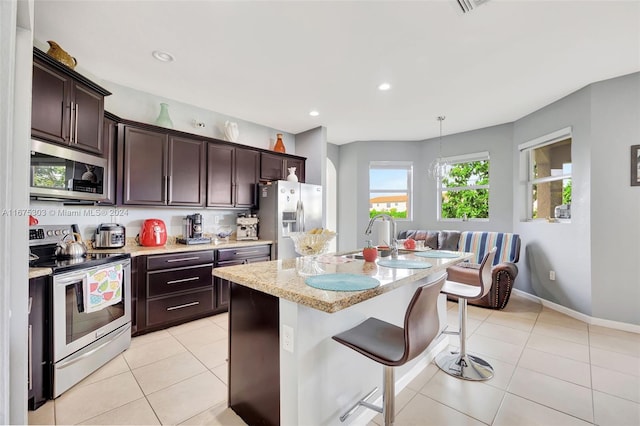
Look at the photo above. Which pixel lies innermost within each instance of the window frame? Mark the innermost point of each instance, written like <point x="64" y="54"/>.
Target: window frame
<point x="394" y="165"/>
<point x="527" y="159"/>
<point x="458" y="159"/>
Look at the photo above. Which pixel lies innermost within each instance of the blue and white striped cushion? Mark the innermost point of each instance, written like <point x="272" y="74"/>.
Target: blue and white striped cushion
<point x="481" y="242"/>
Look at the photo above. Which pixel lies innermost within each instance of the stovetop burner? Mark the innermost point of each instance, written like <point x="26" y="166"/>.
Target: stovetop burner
<point x="43" y="240"/>
<point x="89" y="261"/>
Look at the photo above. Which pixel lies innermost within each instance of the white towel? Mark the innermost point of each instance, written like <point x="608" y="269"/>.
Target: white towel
<point x="102" y="288"/>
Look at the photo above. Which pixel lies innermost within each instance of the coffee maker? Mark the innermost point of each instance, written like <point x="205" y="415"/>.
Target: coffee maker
<point x="193" y="230"/>
<point x="247" y="227"/>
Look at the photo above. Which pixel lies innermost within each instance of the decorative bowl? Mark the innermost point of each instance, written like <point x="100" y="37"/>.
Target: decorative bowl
<point x="307" y="244"/>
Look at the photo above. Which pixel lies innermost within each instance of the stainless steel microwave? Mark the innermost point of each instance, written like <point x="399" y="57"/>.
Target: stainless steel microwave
<point x="62" y="173"/>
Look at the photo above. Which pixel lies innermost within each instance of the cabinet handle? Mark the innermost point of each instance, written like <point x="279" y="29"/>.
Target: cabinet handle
<point x="247" y="252"/>
<point x="183" y="280"/>
<point x="75" y="133"/>
<point x="184" y="259"/>
<point x="186" y="305"/>
<point x="71" y="110"/>
<point x="30" y="363"/>
<point x="167" y="191"/>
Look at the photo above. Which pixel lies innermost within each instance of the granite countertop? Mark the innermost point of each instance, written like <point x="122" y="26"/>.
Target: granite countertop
<point x="280" y="278"/>
<point x="136" y="250"/>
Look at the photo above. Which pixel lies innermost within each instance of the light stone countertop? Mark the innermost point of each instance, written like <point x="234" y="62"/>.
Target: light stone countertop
<point x="135" y="250"/>
<point x="280" y="278"/>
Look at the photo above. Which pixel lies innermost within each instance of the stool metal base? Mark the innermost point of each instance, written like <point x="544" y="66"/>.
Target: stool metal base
<point x="467" y="367"/>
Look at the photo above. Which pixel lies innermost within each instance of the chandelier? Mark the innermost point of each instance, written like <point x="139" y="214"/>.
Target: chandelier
<point x="438" y="167"/>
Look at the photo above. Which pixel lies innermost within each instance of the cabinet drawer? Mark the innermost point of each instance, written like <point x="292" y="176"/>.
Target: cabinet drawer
<point x="168" y="309"/>
<point x="166" y="261"/>
<point x="243" y="253"/>
<point x="175" y="280"/>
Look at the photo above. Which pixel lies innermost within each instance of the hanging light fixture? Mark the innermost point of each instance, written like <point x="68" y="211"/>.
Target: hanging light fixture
<point x="438" y="167"/>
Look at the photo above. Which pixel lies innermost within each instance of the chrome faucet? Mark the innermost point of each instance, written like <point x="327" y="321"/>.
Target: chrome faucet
<point x="393" y="240"/>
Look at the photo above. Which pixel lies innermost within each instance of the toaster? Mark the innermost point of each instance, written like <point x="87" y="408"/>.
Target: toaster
<point x="109" y="235"/>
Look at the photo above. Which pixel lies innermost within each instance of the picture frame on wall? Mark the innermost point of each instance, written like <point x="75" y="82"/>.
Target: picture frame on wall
<point x="635" y="165"/>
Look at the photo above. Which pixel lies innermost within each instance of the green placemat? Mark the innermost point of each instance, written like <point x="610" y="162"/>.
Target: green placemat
<point x="342" y="282"/>
<point x="438" y="254"/>
<point x="404" y="264"/>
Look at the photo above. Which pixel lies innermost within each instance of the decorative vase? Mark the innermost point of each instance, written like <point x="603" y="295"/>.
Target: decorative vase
<point x="163" y="119"/>
<point x="231" y="131"/>
<point x="292" y="175"/>
<point x="279" y="146"/>
<point x="60" y="55"/>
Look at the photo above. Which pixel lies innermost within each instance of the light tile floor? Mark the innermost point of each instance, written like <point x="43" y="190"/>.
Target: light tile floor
<point x="551" y="369"/>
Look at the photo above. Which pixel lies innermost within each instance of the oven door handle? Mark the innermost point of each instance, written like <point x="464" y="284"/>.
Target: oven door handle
<point x="72" y="360"/>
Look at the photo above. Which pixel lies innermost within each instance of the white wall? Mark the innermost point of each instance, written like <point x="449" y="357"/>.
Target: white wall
<point x="16" y="28"/>
<point x="312" y="144"/>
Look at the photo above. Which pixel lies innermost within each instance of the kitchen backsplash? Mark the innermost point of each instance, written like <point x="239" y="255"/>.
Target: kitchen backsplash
<point x="89" y="217"/>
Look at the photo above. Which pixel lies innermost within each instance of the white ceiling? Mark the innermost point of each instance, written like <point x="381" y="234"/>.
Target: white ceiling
<point x="272" y="62"/>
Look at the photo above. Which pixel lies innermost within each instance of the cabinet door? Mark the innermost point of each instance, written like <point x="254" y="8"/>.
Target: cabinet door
<point x="145" y="165"/>
<point x="109" y="134"/>
<point x="220" y="160"/>
<point x="246" y="183"/>
<point x="186" y="171"/>
<point x="50" y="107"/>
<point x="299" y="165"/>
<point x="88" y="117"/>
<point x="38" y="378"/>
<point x="271" y="167"/>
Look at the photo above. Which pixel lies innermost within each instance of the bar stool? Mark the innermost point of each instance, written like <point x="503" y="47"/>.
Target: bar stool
<point x="393" y="346"/>
<point x="460" y="364"/>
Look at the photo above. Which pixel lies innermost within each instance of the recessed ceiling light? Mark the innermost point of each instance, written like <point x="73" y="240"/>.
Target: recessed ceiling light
<point x="162" y="56"/>
<point x="384" y="86"/>
<point x="314" y="113"/>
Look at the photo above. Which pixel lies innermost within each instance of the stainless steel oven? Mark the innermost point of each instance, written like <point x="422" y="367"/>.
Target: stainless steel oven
<point x="83" y="336"/>
<point x="82" y="341"/>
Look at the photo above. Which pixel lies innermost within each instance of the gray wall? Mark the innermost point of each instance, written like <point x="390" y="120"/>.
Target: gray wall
<point x="312" y="144"/>
<point x="596" y="256"/>
<point x="353" y="178"/>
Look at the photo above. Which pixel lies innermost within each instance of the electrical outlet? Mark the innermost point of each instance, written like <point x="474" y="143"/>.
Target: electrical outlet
<point x="552" y="275"/>
<point x="287" y="338"/>
<point x="217" y="219"/>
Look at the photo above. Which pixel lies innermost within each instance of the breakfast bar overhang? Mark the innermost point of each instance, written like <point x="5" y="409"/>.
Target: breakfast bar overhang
<point x="284" y="368"/>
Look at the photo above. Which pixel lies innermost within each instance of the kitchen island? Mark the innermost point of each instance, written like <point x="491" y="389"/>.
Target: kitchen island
<point x="284" y="368"/>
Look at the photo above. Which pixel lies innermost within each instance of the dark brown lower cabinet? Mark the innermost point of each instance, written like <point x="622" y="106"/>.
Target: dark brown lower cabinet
<point x="236" y="256"/>
<point x="38" y="361"/>
<point x="174" y="288"/>
<point x="254" y="356"/>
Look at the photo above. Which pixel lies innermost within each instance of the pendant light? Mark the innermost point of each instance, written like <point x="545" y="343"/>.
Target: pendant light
<point x="438" y="167"/>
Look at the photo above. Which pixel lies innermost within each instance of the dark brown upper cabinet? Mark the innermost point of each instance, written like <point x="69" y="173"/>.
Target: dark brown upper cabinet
<point x="274" y="166"/>
<point x="67" y="108"/>
<point x="159" y="169"/>
<point x="232" y="176"/>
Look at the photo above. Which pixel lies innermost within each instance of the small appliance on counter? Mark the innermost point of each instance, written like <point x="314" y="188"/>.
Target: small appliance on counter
<point x="192" y="230"/>
<point x="247" y="227"/>
<point x="153" y="233"/>
<point x="109" y="235"/>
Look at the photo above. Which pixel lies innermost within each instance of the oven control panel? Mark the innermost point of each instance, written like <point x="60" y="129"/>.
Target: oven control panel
<point x="48" y="234"/>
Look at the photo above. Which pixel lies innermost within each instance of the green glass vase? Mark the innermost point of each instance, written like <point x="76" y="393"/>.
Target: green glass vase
<point x="163" y="119"/>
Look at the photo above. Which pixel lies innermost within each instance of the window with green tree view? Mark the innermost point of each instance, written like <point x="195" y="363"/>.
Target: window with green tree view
<point x="390" y="185"/>
<point x="464" y="187"/>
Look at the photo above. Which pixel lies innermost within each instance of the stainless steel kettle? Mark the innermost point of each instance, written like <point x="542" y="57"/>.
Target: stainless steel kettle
<point x="71" y="249"/>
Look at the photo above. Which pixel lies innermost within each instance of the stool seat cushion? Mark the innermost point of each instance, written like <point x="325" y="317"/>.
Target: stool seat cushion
<point x="377" y="340"/>
<point x="465" y="291"/>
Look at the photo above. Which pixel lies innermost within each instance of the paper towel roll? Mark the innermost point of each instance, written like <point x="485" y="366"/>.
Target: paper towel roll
<point x="384" y="230"/>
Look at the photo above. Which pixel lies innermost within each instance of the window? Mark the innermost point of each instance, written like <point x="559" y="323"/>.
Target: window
<point x="548" y="162"/>
<point x="390" y="186"/>
<point x="464" y="187"/>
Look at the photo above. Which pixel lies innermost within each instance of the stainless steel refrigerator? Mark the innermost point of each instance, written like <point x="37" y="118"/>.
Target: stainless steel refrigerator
<point x="288" y="207"/>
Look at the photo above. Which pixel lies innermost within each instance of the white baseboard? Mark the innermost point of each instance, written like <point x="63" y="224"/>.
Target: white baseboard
<point x="616" y="325"/>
